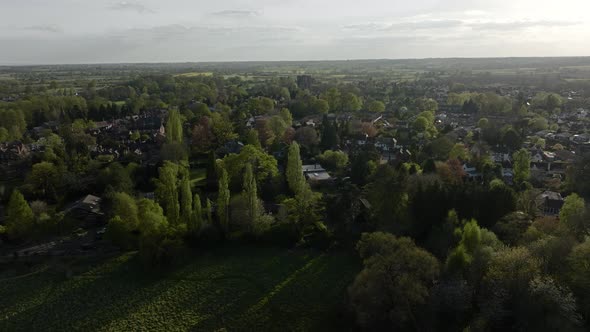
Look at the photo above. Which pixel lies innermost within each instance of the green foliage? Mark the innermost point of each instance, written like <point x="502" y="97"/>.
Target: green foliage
<point x="538" y="123"/>
<point x="461" y="256"/>
<point x="174" y="133"/>
<point x="547" y="101"/>
<point x="167" y="191"/>
<point x="512" y="269"/>
<point x="263" y="164"/>
<point x="14" y="124"/>
<point x="550" y="306"/>
<point x="483" y="123"/>
<point x="388" y="199"/>
<point x="424" y="124"/>
<point x="19" y="216"/>
<point x="223" y="198"/>
<point x="222" y="128"/>
<point x="522" y="165"/>
<point x="278" y="126"/>
<point x="573" y="216"/>
<point x="394" y="282"/>
<point x="578" y="175"/>
<point x="250" y="191"/>
<point x="154" y="240"/>
<point x="329" y="134"/>
<point x="252" y="138"/>
<point x="4" y="135"/>
<point x="45" y="177"/>
<point x="196" y="222"/>
<point x="376" y="106"/>
<point x="471" y="238"/>
<point x="209" y="212"/>
<point x="421" y="124"/>
<point x="304" y="209"/>
<point x="459" y="151"/>
<point x="135" y="136"/>
<point x="427" y="105"/>
<point x="307" y="136"/>
<point x="578" y="273"/>
<point x="120" y="233"/>
<point x="511" y="227"/>
<point x="332" y="96"/>
<point x="350" y="102"/>
<point x="125" y="221"/>
<point x="260" y="105"/>
<point x="511" y="139"/>
<point x="186" y="199"/>
<point x="175" y="152"/>
<point x="294" y="172"/>
<point x="333" y="160"/>
<point x="117" y="177"/>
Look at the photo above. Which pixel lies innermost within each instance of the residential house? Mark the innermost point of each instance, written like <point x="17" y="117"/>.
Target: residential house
<point x="13" y="151"/>
<point x="508" y="175"/>
<point x="472" y="172"/>
<point x="316" y="173"/>
<point x="385" y="143"/>
<point x="230" y="147"/>
<point x="87" y="210"/>
<point x="500" y="157"/>
<point x="550" y="203"/>
<point x="580" y="138"/>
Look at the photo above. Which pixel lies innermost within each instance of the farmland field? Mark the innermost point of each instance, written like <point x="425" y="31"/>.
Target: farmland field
<point x="254" y="289"/>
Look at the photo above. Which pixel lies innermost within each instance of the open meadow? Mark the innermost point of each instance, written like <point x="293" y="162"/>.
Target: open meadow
<point x="256" y="289"/>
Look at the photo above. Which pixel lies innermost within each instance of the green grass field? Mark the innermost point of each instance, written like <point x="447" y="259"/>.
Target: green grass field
<point x="247" y="289"/>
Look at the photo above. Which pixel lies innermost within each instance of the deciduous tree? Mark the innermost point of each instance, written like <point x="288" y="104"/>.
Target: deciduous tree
<point x="395" y="281"/>
<point x="19" y="218"/>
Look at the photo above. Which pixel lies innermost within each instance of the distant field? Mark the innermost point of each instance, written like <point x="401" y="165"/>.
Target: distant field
<point x="193" y="74"/>
<point x="253" y="289"/>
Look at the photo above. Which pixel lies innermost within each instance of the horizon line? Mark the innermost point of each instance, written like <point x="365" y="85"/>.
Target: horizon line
<point x="288" y="61"/>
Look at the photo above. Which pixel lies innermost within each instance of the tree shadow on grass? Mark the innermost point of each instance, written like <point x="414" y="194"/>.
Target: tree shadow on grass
<point x="89" y="301"/>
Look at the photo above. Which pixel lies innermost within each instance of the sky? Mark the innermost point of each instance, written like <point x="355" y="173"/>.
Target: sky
<point x="105" y="31"/>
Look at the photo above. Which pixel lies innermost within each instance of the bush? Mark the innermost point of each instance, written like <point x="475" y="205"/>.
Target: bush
<point x="210" y="235"/>
<point x="317" y="236"/>
<point x="281" y="234"/>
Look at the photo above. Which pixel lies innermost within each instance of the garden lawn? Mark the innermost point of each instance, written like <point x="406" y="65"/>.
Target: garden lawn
<point x="243" y="288"/>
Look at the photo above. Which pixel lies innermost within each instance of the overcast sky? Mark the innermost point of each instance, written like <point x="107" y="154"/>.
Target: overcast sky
<point x="101" y="31"/>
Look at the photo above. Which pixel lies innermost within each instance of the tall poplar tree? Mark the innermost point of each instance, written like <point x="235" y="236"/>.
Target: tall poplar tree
<point x="167" y="191"/>
<point x="186" y="198"/>
<point x="209" y="211"/>
<point x="295" y="177"/>
<point x="174" y="127"/>
<point x="223" y="199"/>
<point x="522" y="165"/>
<point x="197" y="216"/>
<point x="250" y="192"/>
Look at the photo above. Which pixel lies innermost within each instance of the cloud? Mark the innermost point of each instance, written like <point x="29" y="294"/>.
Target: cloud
<point x="366" y="27"/>
<point x="518" y="25"/>
<point x="429" y="24"/>
<point x="131" y="6"/>
<point x="237" y="13"/>
<point x="409" y="25"/>
<point x="53" y="28"/>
